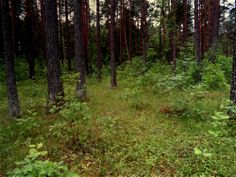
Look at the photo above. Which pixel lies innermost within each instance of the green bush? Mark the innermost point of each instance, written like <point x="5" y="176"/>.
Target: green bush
<point x="129" y="71"/>
<point x="133" y="97"/>
<point x="76" y="111"/>
<point x="151" y="55"/>
<point x="225" y="64"/>
<point x="213" y="77"/>
<point x="33" y="165"/>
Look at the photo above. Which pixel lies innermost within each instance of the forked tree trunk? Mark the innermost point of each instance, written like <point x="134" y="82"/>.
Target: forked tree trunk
<point x="13" y="102"/>
<point x="55" y="86"/>
<point x="79" y="50"/>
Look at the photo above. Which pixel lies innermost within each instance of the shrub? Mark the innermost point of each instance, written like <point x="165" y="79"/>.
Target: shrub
<point x="74" y="110"/>
<point x="225" y="64"/>
<point x="33" y="165"/>
<point x="213" y="77"/>
<point x="133" y="97"/>
<point x="151" y="55"/>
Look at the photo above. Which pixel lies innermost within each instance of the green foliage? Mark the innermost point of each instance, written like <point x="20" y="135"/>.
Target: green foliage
<point x="74" y="110"/>
<point x="33" y="165"/>
<point x="134" y="97"/>
<point x="152" y="55"/>
<point x="133" y="69"/>
<point x="70" y="77"/>
<point x="178" y="81"/>
<point x="213" y="77"/>
<point x="225" y="64"/>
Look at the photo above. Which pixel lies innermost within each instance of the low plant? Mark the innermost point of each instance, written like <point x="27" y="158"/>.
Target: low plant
<point x="36" y="164"/>
<point x="213" y="77"/>
<point x="133" y="97"/>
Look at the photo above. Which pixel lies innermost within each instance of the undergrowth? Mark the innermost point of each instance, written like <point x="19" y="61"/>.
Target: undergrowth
<point x="154" y="124"/>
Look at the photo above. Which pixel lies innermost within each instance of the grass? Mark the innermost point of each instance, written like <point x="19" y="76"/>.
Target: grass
<point x="156" y="138"/>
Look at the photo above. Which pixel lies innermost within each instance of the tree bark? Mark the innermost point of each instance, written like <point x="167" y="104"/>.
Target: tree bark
<point x="144" y="30"/>
<point x="13" y="102"/>
<point x="197" y="40"/>
<point x="173" y="36"/>
<point x="55" y="86"/>
<point x="98" y="42"/>
<point x="112" y="44"/>
<point x="79" y="50"/>
<point x="233" y="81"/>
<point x="29" y="42"/>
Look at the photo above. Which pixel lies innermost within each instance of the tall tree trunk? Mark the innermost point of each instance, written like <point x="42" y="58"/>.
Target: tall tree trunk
<point x="13" y="24"/>
<point x="85" y="33"/>
<point x="173" y="35"/>
<point x="185" y="23"/>
<point x="98" y="42"/>
<point x="79" y="50"/>
<point x="42" y="30"/>
<point x="1" y="39"/>
<point x="55" y="86"/>
<point x="112" y="44"/>
<point x="144" y="30"/>
<point x="14" y="107"/>
<point x="197" y="40"/>
<point x="66" y="36"/>
<point x="29" y="42"/>
<point x="233" y="81"/>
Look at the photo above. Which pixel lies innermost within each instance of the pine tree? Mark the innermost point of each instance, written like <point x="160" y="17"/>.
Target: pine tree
<point x="112" y="44"/>
<point x="14" y="108"/>
<point x="55" y="86"/>
<point x="79" y="50"/>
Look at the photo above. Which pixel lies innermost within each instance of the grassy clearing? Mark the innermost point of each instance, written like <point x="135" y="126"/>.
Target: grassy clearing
<point x="155" y="137"/>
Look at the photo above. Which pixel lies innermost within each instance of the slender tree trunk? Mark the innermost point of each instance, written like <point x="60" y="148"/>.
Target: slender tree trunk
<point x="55" y="86"/>
<point x="144" y="30"/>
<point x="185" y="23"/>
<point x="42" y="30"/>
<point x="79" y="50"/>
<point x="112" y="44"/>
<point x="13" y="24"/>
<point x="29" y="42"/>
<point x="233" y="81"/>
<point x="197" y="33"/>
<point x="66" y="36"/>
<point x="14" y="107"/>
<point x="173" y="35"/>
<point x="98" y="42"/>
<point x="1" y="39"/>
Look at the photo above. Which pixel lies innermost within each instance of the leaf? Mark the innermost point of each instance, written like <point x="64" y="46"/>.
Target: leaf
<point x="207" y="154"/>
<point x="39" y="145"/>
<point x="197" y="151"/>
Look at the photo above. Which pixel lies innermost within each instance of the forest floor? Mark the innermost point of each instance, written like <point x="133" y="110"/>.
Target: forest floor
<point x="124" y="132"/>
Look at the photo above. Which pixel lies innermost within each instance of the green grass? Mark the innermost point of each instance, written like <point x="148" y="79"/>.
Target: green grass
<point x="155" y="139"/>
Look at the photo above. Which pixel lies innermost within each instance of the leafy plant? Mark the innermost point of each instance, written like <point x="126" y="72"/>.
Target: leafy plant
<point x="74" y="110"/>
<point x="133" y="97"/>
<point x="33" y="165"/>
<point x="213" y="77"/>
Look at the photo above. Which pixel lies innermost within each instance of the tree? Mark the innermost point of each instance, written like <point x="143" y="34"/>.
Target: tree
<point x="79" y="50"/>
<point x="14" y="107"/>
<point x="144" y="30"/>
<point x="29" y="42"/>
<point x="233" y="81"/>
<point x="197" y="40"/>
<point x="55" y="86"/>
<point x="112" y="44"/>
<point x="98" y="42"/>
